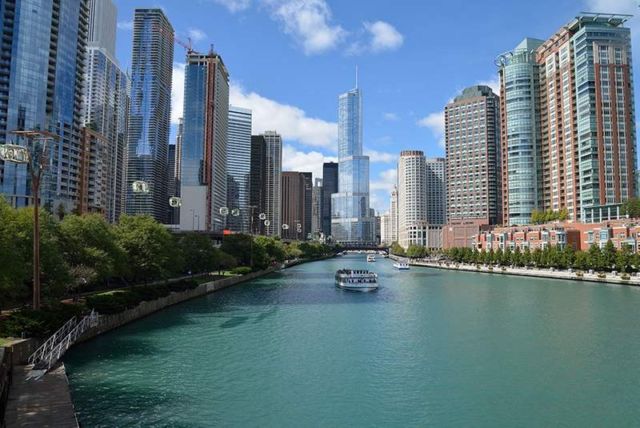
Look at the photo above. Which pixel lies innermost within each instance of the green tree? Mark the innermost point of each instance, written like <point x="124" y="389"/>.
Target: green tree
<point x="415" y="251"/>
<point x="624" y="259"/>
<point x="517" y="258"/>
<point x="397" y="250"/>
<point x="582" y="261"/>
<point x="526" y="257"/>
<point x="239" y="246"/>
<point x="609" y="255"/>
<point x="198" y="253"/>
<point x="595" y="257"/>
<point x="149" y="247"/>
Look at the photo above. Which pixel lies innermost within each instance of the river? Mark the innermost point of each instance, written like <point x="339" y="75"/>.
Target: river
<point x="429" y="348"/>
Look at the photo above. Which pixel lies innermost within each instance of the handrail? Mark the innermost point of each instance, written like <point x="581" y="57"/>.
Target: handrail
<point x="48" y="360"/>
<point x="53" y="340"/>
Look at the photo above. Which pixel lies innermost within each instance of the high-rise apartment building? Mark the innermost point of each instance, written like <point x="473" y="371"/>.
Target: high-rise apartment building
<point x="412" y="195"/>
<point x="520" y="132"/>
<point x="350" y="220"/>
<point x="203" y="183"/>
<point x="393" y="214"/>
<point x="150" y="113"/>
<point x="316" y="208"/>
<point x="105" y="114"/>
<point x="43" y="53"/>
<point x="385" y="229"/>
<point x="473" y="157"/>
<point x="569" y="121"/>
<point x="273" y="182"/>
<point x="257" y="185"/>
<point x="436" y="190"/>
<point x="329" y="187"/>
<point x="239" y="168"/>
<point x="296" y="205"/>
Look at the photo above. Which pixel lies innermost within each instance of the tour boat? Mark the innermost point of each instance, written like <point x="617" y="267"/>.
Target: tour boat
<point x="371" y="258"/>
<point x="356" y="280"/>
<point x="401" y="265"/>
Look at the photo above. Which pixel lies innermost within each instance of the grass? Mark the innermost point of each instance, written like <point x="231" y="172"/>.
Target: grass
<point x="4" y="341"/>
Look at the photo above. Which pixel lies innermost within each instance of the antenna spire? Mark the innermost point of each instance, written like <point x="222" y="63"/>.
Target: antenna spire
<point x="356" y="76"/>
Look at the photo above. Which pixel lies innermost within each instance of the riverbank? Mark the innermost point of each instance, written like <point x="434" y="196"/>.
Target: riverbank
<point x="607" y="278"/>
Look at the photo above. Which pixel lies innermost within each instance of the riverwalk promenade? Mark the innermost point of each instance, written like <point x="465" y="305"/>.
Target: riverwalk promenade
<point x="610" y="277"/>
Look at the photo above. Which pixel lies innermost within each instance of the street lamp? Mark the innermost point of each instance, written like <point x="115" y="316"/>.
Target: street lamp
<point x="35" y="156"/>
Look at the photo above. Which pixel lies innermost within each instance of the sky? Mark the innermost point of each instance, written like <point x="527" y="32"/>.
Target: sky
<point x="290" y="59"/>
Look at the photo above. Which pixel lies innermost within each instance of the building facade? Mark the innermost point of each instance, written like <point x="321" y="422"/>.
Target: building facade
<point x="520" y="133"/>
<point x="204" y="143"/>
<point x="296" y="205"/>
<point x="412" y="195"/>
<point x="239" y="168"/>
<point x="149" y="113"/>
<point x="257" y="185"/>
<point x="43" y="53"/>
<point x="393" y="214"/>
<point x="473" y="157"/>
<point x="316" y="209"/>
<point x="350" y="220"/>
<point x="273" y="183"/>
<point x="436" y="190"/>
<point x="329" y="187"/>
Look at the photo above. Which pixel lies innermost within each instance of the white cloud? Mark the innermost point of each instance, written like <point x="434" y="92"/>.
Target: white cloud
<point x="125" y="25"/>
<point x="386" y="180"/>
<point x="196" y="34"/>
<point x="308" y="22"/>
<point x="177" y="92"/>
<point x="391" y="117"/>
<point x="296" y="160"/>
<point x="625" y="7"/>
<point x="234" y="5"/>
<point x="435" y="122"/>
<point x="384" y="36"/>
<point x="381" y="157"/>
<point x="290" y="121"/>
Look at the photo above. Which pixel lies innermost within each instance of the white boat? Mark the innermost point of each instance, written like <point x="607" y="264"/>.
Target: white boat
<point x="401" y="265"/>
<point x="356" y="280"/>
<point x="371" y="258"/>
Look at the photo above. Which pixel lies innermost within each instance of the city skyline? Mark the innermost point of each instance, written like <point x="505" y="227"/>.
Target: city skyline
<point x="404" y="114"/>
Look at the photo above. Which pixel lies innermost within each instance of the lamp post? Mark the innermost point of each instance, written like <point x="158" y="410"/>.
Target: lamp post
<point x="35" y="156"/>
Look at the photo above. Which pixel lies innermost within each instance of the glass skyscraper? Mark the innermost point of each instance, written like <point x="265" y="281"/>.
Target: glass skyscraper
<point x="43" y="53"/>
<point x="204" y="143"/>
<point x="149" y="116"/>
<point x="350" y="219"/>
<point x="520" y="133"/>
<point x="239" y="167"/>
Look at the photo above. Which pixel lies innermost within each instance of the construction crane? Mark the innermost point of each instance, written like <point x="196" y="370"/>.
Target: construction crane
<point x="188" y="45"/>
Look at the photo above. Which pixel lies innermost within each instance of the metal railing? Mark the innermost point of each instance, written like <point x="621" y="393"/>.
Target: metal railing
<point x="47" y="359"/>
<point x="52" y="341"/>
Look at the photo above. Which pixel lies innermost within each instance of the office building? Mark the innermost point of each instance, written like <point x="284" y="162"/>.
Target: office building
<point x="520" y="132"/>
<point x="350" y="220"/>
<point x="273" y="183"/>
<point x="296" y="205"/>
<point x="393" y="214"/>
<point x="316" y="209"/>
<point x="329" y="187"/>
<point x="43" y="53"/>
<point x="239" y="169"/>
<point x="385" y="229"/>
<point x="258" y="187"/>
<point x="105" y="114"/>
<point x="435" y="169"/>
<point x="203" y="183"/>
<point x="149" y="114"/>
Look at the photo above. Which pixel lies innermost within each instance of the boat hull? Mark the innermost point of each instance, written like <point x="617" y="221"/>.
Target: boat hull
<point x="365" y="289"/>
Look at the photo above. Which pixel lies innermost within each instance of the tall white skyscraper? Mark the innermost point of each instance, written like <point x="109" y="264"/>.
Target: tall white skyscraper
<point x="412" y="197"/>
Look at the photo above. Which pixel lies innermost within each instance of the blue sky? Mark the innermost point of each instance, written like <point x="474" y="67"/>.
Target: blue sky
<point x="289" y="60"/>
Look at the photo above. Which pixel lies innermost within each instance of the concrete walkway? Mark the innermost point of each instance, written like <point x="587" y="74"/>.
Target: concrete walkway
<point x="45" y="402"/>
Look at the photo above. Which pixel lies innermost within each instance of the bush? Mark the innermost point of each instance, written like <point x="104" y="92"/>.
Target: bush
<point x="625" y="277"/>
<point x="184" y="285"/>
<point x="241" y="270"/>
<point x="40" y="323"/>
<point x="602" y="275"/>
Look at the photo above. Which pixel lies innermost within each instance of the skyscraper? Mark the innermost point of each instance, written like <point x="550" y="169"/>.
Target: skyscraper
<point x="273" y="182"/>
<point x="329" y="187"/>
<point x="412" y="197"/>
<point x="296" y="204"/>
<point x="436" y="190"/>
<point x="316" y="208"/>
<point x="350" y="221"/>
<point x="385" y="229"/>
<point x="473" y="157"/>
<point x="149" y="115"/>
<point x="393" y="214"/>
<point x="43" y="53"/>
<point x="204" y="143"/>
<point x="520" y="135"/>
<point x="106" y="110"/>
<point x="239" y="168"/>
<point x="258" y="186"/>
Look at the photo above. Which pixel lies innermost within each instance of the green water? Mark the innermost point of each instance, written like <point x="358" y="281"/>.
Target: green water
<point x="430" y="348"/>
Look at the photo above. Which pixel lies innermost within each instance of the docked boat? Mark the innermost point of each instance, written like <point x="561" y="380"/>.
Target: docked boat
<point x="356" y="280"/>
<point x="401" y="265"/>
<point x="371" y="258"/>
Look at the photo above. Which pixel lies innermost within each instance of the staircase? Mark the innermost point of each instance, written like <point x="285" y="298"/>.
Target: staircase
<point x="54" y="348"/>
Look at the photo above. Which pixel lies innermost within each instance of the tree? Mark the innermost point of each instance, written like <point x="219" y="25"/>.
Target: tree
<point x="397" y="250"/>
<point x="149" y="247"/>
<point x="198" y="253"/>
<point x="582" y="261"/>
<point x="415" y="251"/>
<point x="609" y="255"/>
<point x="526" y="256"/>
<point x="239" y="246"/>
<point x="624" y="259"/>
<point x="596" y="260"/>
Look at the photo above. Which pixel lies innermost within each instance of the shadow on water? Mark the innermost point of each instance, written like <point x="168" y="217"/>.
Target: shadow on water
<point x="111" y="347"/>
